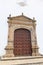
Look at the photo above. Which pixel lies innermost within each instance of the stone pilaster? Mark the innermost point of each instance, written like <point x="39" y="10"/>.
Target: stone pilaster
<point x="34" y="41"/>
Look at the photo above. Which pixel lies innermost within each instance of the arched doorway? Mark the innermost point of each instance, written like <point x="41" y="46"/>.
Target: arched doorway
<point x="22" y="42"/>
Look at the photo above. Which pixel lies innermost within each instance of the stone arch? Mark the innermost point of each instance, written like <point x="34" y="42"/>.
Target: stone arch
<point x="22" y="42"/>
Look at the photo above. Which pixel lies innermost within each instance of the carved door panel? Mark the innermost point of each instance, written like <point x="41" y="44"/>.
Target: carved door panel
<point x="22" y="42"/>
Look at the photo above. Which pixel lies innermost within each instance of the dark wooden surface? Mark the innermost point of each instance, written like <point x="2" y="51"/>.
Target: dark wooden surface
<point x="22" y="42"/>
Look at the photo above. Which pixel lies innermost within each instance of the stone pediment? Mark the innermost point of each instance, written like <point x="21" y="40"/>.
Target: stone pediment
<point x="21" y="18"/>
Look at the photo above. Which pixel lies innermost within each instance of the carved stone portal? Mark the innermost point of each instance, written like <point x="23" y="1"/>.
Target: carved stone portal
<point x="22" y="39"/>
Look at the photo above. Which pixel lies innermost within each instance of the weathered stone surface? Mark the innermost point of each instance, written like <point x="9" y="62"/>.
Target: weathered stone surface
<point x="27" y="60"/>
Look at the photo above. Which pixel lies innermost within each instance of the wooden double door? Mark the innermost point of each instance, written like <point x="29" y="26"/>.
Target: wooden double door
<point x="22" y="42"/>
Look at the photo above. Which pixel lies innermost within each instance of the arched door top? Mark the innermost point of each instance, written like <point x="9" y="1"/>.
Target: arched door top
<point x="22" y="29"/>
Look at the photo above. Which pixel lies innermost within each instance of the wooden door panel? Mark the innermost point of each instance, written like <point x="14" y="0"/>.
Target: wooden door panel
<point x="22" y="42"/>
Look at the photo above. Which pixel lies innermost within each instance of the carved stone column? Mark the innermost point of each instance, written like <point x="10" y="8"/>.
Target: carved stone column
<point x="9" y="48"/>
<point x="34" y="40"/>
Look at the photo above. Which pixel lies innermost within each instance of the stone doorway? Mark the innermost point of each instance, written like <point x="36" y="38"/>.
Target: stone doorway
<point x="22" y="42"/>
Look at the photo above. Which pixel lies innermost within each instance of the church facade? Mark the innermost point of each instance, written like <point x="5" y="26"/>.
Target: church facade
<point x="22" y="48"/>
<point x="22" y="39"/>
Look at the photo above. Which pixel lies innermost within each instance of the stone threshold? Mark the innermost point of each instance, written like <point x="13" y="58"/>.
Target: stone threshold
<point x="20" y="58"/>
